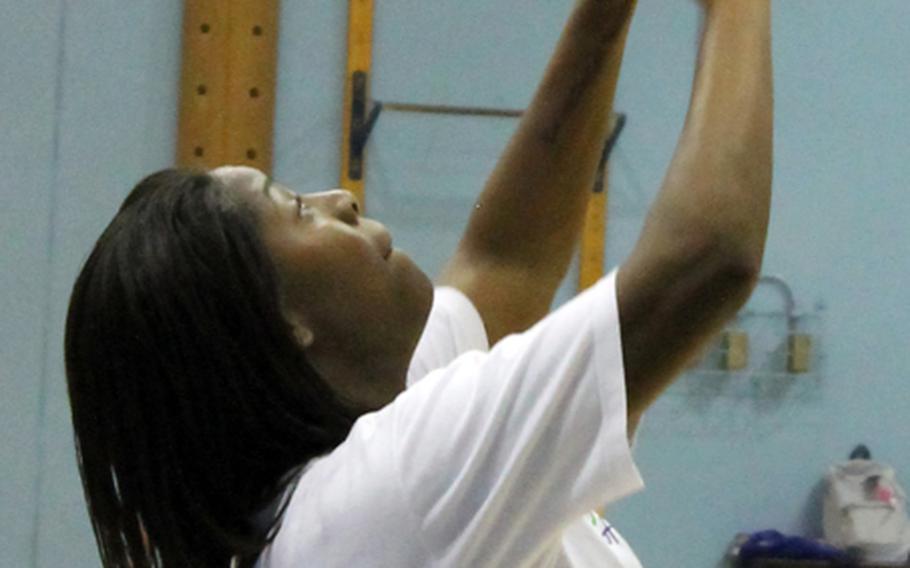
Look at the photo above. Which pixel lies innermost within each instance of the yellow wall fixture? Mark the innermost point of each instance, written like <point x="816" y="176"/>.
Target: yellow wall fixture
<point x="594" y="236"/>
<point x="593" y="241"/>
<point x="735" y="346"/>
<point x="227" y="86"/>
<point x="356" y="98"/>
<point x="799" y="353"/>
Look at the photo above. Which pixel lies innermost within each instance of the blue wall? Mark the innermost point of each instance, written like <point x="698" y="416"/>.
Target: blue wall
<point x="92" y="109"/>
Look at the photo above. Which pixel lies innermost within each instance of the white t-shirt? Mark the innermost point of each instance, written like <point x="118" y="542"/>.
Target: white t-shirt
<point x="487" y="459"/>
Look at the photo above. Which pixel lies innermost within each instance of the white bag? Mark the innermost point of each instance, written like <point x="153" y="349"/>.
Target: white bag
<point x="865" y="509"/>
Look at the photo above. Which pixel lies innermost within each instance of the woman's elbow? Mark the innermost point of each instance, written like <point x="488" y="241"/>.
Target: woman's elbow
<point x="731" y="274"/>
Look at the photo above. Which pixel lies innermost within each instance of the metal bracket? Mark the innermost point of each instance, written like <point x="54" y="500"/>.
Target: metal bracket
<point x="600" y="181"/>
<point x="364" y="115"/>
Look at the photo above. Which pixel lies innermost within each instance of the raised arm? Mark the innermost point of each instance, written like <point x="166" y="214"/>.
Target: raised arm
<point x="522" y="232"/>
<point x="700" y="252"/>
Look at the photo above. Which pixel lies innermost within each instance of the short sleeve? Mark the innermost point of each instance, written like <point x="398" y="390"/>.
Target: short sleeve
<point x="499" y="451"/>
<point x="453" y="327"/>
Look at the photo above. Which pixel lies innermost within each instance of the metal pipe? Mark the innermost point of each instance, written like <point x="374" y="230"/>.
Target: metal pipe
<point x="453" y="110"/>
<point x="787" y="293"/>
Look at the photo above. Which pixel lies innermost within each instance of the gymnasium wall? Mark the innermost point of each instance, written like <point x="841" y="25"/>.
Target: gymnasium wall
<point x="88" y="107"/>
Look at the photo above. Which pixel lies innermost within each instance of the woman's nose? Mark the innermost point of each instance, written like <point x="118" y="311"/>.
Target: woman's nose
<point x="342" y="204"/>
<point x="349" y="209"/>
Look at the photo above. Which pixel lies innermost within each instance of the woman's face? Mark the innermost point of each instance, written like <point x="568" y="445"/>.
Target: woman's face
<point x="358" y="304"/>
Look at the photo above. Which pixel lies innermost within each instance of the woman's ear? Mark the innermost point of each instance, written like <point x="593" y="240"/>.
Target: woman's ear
<point x="303" y="332"/>
<point x="304" y="335"/>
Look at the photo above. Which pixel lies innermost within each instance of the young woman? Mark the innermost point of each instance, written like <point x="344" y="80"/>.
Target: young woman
<point x="259" y="376"/>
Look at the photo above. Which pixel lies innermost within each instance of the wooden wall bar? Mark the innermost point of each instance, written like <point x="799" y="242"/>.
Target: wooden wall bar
<point x="227" y="88"/>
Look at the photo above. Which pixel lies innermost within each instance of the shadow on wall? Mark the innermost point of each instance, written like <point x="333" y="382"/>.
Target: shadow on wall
<point x="810" y="518"/>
